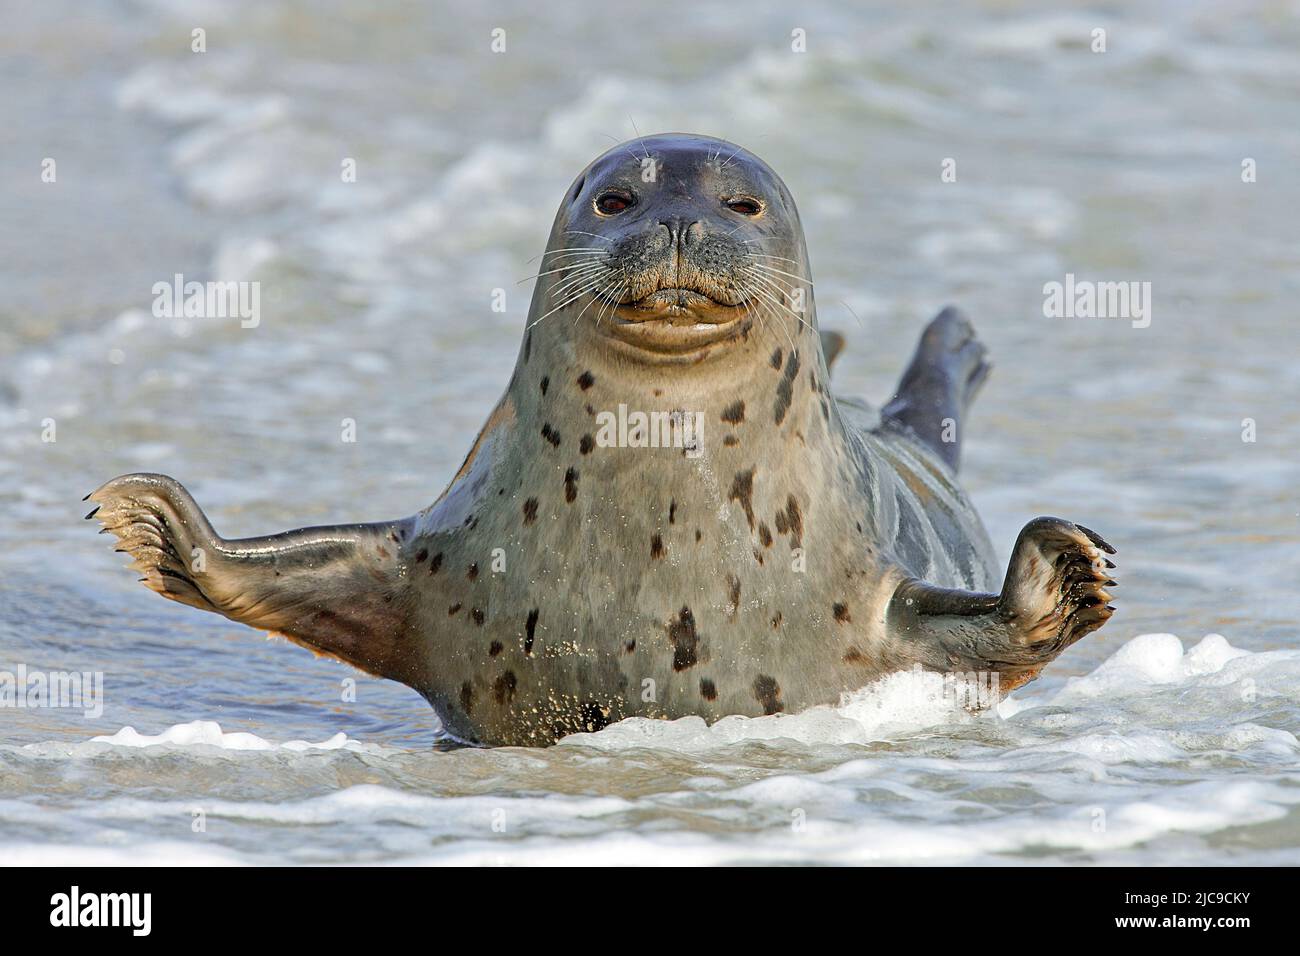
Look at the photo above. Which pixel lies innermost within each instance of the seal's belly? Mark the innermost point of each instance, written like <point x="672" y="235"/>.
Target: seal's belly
<point x="699" y="592"/>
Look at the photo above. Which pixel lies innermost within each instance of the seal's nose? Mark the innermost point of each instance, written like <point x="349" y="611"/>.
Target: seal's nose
<point x="681" y="231"/>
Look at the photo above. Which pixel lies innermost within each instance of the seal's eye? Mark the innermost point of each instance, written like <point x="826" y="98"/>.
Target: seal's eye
<point x="612" y="203"/>
<point x="744" y="205"/>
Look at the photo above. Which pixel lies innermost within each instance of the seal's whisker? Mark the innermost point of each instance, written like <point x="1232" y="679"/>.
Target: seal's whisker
<point x="600" y="262"/>
<point x="608" y="285"/>
<point x="589" y="254"/>
<point x="764" y="303"/>
<point x="582" y="265"/>
<point x="569" y="300"/>
<point x="776" y="320"/>
<point x="614" y="289"/>
<point x="782" y="292"/>
<point x="604" y="303"/>
<point x="768" y="255"/>
<point x="565" y="268"/>
<point x="852" y="313"/>
<point x="571" y="250"/>
<point x="772" y="306"/>
<point x="582" y="258"/>
<point x="764" y="255"/>
<point x="586" y="255"/>
<point x="774" y="286"/>
<point x="619" y="142"/>
<point x="760" y="265"/>
<point x="784" y="287"/>
<point x="556" y="252"/>
<point x="640" y="139"/>
<point x="567" y="253"/>
<point x="576" y="262"/>
<point x="576" y="286"/>
<point x="751" y="306"/>
<point x="729" y="158"/>
<point x="613" y="303"/>
<point x="579" y="232"/>
<point x="576" y="278"/>
<point x="581" y="278"/>
<point x="771" y="287"/>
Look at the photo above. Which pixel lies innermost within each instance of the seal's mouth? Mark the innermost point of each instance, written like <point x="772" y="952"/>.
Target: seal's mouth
<point x="677" y="303"/>
<point x="672" y="298"/>
<point x="677" y="324"/>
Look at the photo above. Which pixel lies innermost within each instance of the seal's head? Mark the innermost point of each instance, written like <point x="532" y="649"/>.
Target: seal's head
<point x="674" y="247"/>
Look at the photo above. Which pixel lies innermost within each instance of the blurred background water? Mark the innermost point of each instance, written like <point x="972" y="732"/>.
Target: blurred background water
<point x="376" y="295"/>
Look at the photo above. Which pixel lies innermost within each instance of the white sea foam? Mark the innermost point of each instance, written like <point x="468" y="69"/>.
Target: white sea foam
<point x="208" y="733"/>
<point x="895" y="704"/>
<point x="143" y="853"/>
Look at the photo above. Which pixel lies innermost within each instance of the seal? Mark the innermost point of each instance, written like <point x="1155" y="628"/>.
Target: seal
<point x="668" y="513"/>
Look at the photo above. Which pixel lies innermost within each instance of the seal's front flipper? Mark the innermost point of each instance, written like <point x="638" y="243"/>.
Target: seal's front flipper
<point x="1053" y="595"/>
<point x="337" y="590"/>
<point x="159" y="525"/>
<point x="940" y="383"/>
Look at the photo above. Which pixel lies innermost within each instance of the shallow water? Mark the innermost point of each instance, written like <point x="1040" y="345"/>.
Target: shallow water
<point x="1133" y="748"/>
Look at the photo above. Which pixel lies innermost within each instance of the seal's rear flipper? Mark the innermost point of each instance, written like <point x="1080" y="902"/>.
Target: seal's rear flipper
<point x="336" y="590"/>
<point x="1053" y="595"/>
<point x="832" y="346"/>
<point x="940" y="383"/>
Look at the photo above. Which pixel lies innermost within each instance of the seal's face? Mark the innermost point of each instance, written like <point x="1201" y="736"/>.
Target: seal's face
<point x="679" y="244"/>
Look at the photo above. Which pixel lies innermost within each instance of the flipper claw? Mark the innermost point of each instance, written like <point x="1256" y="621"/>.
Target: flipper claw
<point x="1054" y="594"/>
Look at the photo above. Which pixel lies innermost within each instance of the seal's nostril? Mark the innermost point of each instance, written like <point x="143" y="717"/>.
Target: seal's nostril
<point x="682" y="232"/>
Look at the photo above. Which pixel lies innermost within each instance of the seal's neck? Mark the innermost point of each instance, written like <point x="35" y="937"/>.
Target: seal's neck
<point x="763" y="396"/>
